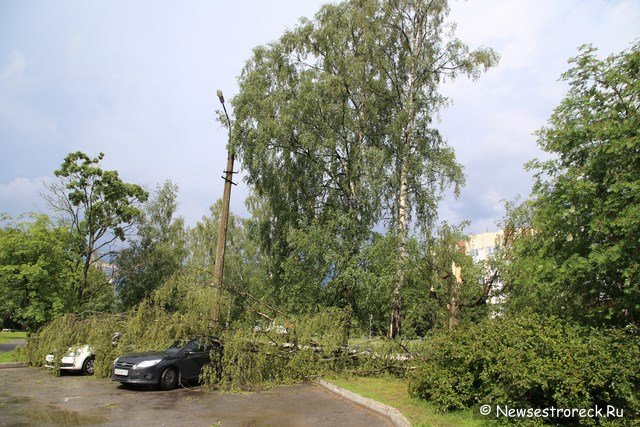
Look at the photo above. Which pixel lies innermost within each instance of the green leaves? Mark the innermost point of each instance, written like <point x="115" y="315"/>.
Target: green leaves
<point x="35" y="272"/>
<point x="585" y="200"/>
<point x="99" y="208"/>
<point x="158" y="251"/>
<point x="334" y="125"/>
<point x="529" y="362"/>
<point x="46" y="269"/>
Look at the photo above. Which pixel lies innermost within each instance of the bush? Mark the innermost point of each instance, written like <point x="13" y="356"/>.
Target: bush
<point x="530" y="362"/>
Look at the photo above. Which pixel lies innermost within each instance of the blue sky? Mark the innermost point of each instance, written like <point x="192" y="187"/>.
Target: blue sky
<point x="137" y="81"/>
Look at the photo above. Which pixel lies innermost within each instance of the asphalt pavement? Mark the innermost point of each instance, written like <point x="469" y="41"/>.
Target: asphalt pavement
<point x="10" y="345"/>
<point x="33" y="396"/>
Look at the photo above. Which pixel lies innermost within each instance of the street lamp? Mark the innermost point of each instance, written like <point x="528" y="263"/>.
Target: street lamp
<point x="224" y="218"/>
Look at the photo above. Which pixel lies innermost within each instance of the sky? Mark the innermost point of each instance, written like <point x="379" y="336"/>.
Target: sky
<point x="137" y="81"/>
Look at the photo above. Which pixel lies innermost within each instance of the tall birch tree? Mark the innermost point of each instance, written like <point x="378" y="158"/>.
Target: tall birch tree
<point x="417" y="51"/>
<point x="334" y="125"/>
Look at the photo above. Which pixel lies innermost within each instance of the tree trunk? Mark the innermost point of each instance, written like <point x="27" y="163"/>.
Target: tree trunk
<point x="85" y="273"/>
<point x="454" y="302"/>
<point x="396" y="308"/>
<point x="403" y="208"/>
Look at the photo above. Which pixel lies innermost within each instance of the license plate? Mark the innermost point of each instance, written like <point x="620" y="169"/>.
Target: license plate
<point x="122" y="372"/>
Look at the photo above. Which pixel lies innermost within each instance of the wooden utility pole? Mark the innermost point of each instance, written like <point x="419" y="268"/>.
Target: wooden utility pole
<point x="224" y="219"/>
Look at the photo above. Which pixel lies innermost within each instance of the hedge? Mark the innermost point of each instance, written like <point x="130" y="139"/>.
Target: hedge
<point x="530" y="362"/>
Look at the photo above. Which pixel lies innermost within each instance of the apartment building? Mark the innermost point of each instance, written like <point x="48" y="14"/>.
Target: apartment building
<point x="481" y="247"/>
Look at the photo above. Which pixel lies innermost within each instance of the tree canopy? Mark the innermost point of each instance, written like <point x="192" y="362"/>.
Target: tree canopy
<point x="35" y="273"/>
<point x="334" y="125"/>
<point x="581" y="259"/>
<point x="98" y="207"/>
<point x="157" y="251"/>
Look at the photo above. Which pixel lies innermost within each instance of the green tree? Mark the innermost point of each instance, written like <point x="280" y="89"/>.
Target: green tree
<point x="582" y="260"/>
<point x="99" y="208"/>
<point x="157" y="252"/>
<point x="306" y="114"/>
<point x="36" y="257"/>
<point x="339" y="112"/>
<point x="417" y="52"/>
<point x="461" y="286"/>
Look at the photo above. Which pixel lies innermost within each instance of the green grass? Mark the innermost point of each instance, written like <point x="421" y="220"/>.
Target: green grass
<point x="393" y="392"/>
<point x="9" y="336"/>
<point x="11" y="356"/>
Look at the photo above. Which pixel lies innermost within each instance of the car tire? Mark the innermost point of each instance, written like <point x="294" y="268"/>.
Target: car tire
<point x="169" y="379"/>
<point x="88" y="366"/>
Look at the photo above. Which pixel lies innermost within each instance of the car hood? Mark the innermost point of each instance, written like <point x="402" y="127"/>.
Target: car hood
<point x="74" y="351"/>
<point x="149" y="355"/>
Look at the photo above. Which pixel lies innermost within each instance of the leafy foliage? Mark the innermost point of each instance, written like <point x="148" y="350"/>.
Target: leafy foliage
<point x="334" y="126"/>
<point x="99" y="208"/>
<point x="35" y="272"/>
<point x="158" y="250"/>
<point x="581" y="260"/>
<point x="246" y="271"/>
<point x="463" y="302"/>
<point x="530" y="362"/>
<point x="292" y="350"/>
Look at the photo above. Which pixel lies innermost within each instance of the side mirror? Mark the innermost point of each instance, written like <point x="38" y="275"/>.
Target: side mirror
<point x="115" y="339"/>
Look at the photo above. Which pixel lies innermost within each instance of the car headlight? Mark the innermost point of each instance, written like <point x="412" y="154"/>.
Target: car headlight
<point x="146" y="363"/>
<point x="116" y="360"/>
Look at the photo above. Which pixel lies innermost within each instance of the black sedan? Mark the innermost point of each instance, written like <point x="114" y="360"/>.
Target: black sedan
<point x="167" y="369"/>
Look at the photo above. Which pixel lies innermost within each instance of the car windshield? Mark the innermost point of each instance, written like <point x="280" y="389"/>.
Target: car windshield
<point x="177" y="346"/>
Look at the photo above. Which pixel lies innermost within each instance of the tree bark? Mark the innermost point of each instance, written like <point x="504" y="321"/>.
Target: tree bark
<point x="403" y="208"/>
<point x="396" y="308"/>
<point x="454" y="302"/>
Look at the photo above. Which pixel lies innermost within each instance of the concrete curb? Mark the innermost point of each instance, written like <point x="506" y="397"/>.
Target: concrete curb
<point x="390" y="412"/>
<point x="13" y="365"/>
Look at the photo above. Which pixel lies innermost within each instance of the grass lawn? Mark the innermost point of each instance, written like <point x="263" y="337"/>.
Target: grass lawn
<point x="8" y="336"/>
<point x="11" y="356"/>
<point x="393" y="392"/>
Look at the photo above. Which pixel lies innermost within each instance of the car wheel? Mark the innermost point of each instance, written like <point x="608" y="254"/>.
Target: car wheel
<point x="88" y="366"/>
<point x="169" y="379"/>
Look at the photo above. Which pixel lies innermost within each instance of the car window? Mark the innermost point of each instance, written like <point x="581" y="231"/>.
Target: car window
<point x="193" y="346"/>
<point x="176" y="346"/>
<point x="210" y="345"/>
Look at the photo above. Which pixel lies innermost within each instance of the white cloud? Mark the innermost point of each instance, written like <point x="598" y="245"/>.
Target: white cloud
<point x="145" y="94"/>
<point x="23" y="195"/>
<point x="13" y="74"/>
<point x="491" y="122"/>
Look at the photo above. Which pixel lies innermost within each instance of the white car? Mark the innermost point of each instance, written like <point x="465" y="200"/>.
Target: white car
<point x="78" y="359"/>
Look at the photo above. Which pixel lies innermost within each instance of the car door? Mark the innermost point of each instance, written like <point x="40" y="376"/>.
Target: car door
<point x="201" y="355"/>
<point x="188" y="360"/>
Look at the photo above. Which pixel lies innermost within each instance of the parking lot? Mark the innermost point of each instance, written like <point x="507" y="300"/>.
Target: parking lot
<point x="32" y="396"/>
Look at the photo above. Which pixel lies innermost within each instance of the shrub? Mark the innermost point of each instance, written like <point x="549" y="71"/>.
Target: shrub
<point x="530" y="362"/>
